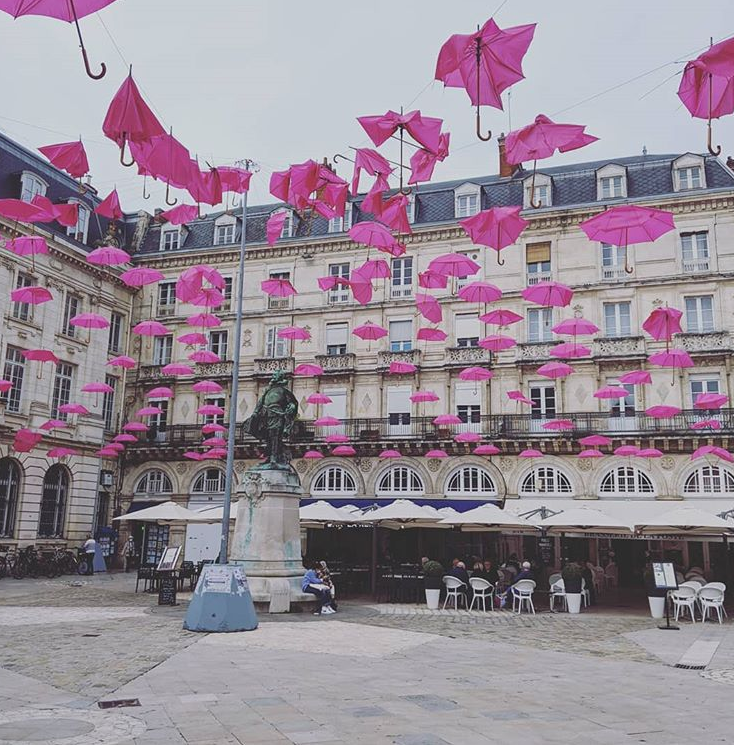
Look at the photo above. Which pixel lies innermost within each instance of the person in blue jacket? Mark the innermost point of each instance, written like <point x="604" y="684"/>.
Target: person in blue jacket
<point x="312" y="584"/>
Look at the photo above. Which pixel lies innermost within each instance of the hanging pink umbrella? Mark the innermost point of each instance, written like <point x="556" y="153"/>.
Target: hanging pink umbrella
<point x="235" y="180"/>
<point x="122" y="361"/>
<point x="374" y="269"/>
<point x="662" y="323"/>
<point x="454" y="265"/>
<point x="318" y="398"/>
<point x="208" y="297"/>
<point x="707" y="424"/>
<point x="425" y="130"/>
<point x="558" y="425"/>
<point x="401" y="368"/>
<point x="68" y="156"/>
<point x="627" y="225"/>
<point x="548" y="294"/>
<point x="214" y="442"/>
<point x="445" y="419"/>
<point x="344" y="451"/>
<point x="625" y="451"/>
<point x="294" y="332"/>
<point x="387" y="454"/>
<point x="124" y="438"/>
<point x="149" y="411"/>
<point x="204" y="357"/>
<point x="675" y="358"/>
<point x="40" y="355"/>
<point x="140" y="276"/>
<point x="530" y="453"/>
<point x="61" y="452"/>
<point x="475" y="373"/>
<point x="16" y="209"/>
<point x="205" y="320"/>
<point x="662" y="412"/>
<point x="313" y="455"/>
<point x="191" y="282"/>
<point x="337" y="437"/>
<point x="180" y="215"/>
<point x="150" y="328"/>
<point x="215" y="454"/>
<point x="467" y="437"/>
<point x="177" y="368"/>
<point x="486" y="450"/>
<point x="5" y="385"/>
<point x="210" y="410"/>
<point x="423" y="162"/>
<point x="479" y="292"/>
<point x="370" y="331"/>
<point x="308" y="370"/>
<point x="327" y="421"/>
<point x="501" y="317"/>
<point x="497" y="342"/>
<point x="423" y="396"/>
<point x="109" y="207"/>
<point x="591" y="454"/>
<point x="575" y="327"/>
<point x="161" y="391"/>
<point x="554" y="370"/>
<point x="193" y="455"/>
<point x="53" y="424"/>
<point x="25" y="440"/>
<point x="96" y="387"/>
<point x="164" y="157"/>
<point x="211" y="427"/>
<point x="108" y="256"/>
<point x="431" y="334"/>
<point x="497" y="228"/>
<point x="429" y="307"/>
<point x="430" y="280"/>
<point x="274" y="226"/>
<point x="135" y="427"/>
<point x="371" y="161"/>
<point x="361" y="287"/>
<point x="569" y="350"/>
<point x="192" y="339"/>
<point x="611" y="392"/>
<point x="707" y="86"/>
<point x="714" y="450"/>
<point x="89" y="321"/>
<point x="207" y="386"/>
<point x="636" y="377"/>
<point x="74" y="409"/>
<point x="373" y="234"/>
<point x="436" y="454"/>
<point x="710" y="401"/>
<point x="107" y="453"/>
<point x="649" y="453"/>
<point x="117" y="447"/>
<point x="595" y="441"/>
<point x="32" y="295"/>
<point x="278" y="287"/>
<point x="519" y="397"/>
<point x="27" y="245"/>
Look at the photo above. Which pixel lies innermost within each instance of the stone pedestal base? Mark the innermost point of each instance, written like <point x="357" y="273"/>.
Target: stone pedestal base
<point x="267" y="540"/>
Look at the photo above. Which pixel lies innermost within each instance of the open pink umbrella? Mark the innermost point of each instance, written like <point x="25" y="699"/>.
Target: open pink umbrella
<point x="107" y="453"/>
<point x="636" y="377"/>
<point x="595" y="441"/>
<point x="68" y="156"/>
<point x="497" y="228"/>
<point x="388" y="454"/>
<point x="150" y="328"/>
<point x="149" y="411"/>
<point x="401" y="368"/>
<point x="662" y="323"/>
<point x="431" y="334"/>
<point x="27" y="245"/>
<point x="436" y="454"/>
<point x="32" y="295"/>
<point x="214" y="442"/>
<point x="135" y="427"/>
<point x="479" y="292"/>
<point x="662" y="412"/>
<point x="624" y="451"/>
<point x="337" y="437"/>
<point x="53" y="424"/>
<point x="108" y="256"/>
<point x="40" y="355"/>
<point x="423" y="396"/>
<point x="122" y="361"/>
<point x="210" y="410"/>
<point x="294" y="332"/>
<point x="274" y="226"/>
<point x="558" y="425"/>
<point x="180" y="214"/>
<point x="61" y="452"/>
<point x="575" y="327"/>
<point x="361" y="287"/>
<point x="486" y="450"/>
<point x="318" y="398"/>
<point x="673" y="358"/>
<point x="313" y="455"/>
<point x="373" y="234"/>
<point x="211" y="427"/>
<point x="425" y="130"/>
<point x="161" y="391"/>
<point x="124" y="438"/>
<point x="97" y="387"/>
<point x="64" y="214"/>
<point x="193" y="338"/>
<point x="89" y="321"/>
<point x="591" y="454"/>
<point x="204" y="357"/>
<point x="5" y="385"/>
<point x="530" y="453"/>
<point x="519" y="397"/>
<point x="497" y="342"/>
<point x="707" y="86"/>
<point x="627" y="225"/>
<point x="467" y="437"/>
<point x="164" y="157"/>
<point x="370" y="331"/>
<point x="344" y="451"/>
<point x="707" y="424"/>
<point x="554" y="370"/>
<point x="430" y="280"/>
<point x="215" y="454"/>
<point x="649" y="453"/>
<point x="708" y="401"/>
<point x="308" y="370"/>
<point x="446" y="419"/>
<point x="278" y="287"/>
<point x="234" y="179"/>
<point x="429" y="307"/>
<point x="16" y="209"/>
<point x="191" y="282"/>
<point x="454" y="265"/>
<point x="140" y="276"/>
<point x="611" y="392"/>
<point x="714" y="450"/>
<point x="569" y="350"/>
<point x="205" y="320"/>
<point x="118" y="447"/>
<point x="374" y="269"/>
<point x="74" y="409"/>
<point x="484" y="63"/>
<point x="177" y="368"/>
<point x="110" y="207"/>
<point x="207" y="386"/>
<point x="327" y="421"/>
<point x="25" y="440"/>
<point x="501" y="317"/>
<point x="475" y="373"/>
<point x="548" y="294"/>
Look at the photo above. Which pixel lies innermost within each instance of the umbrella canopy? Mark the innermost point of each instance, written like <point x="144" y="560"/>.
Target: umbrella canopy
<point x="486" y="450"/>
<point x="707" y="424"/>
<point x="570" y="350"/>
<point x="445" y="419"/>
<point x="177" y="368"/>
<point x="193" y="338"/>
<point x="204" y="357"/>
<point x="5" y="385"/>
<point x="425" y="130"/>
<point x="676" y="358"/>
<point x="548" y="294"/>
<point x="308" y="370"/>
<point x="68" y="156"/>
<point x="40" y="355"/>
<point x="73" y="409"/>
<point x="274" y="225"/>
<point x="575" y="327"/>
<point x="496" y="228"/>
<point x="480" y="292"/>
<point x="205" y="320"/>
<point x="32" y="295"/>
<point x="520" y="397"/>
<point x="683" y="520"/>
<point x="167" y="512"/>
<point x="122" y="361"/>
<point x="180" y="215"/>
<point x="592" y="453"/>
<point x="662" y="323"/>
<point x="27" y="245"/>
<point x="327" y="421"/>
<point x="530" y="453"/>
<point x="649" y="453"/>
<point x="625" y="451"/>
<point x="706" y="401"/>
<point x="501" y="317"/>
<point x="150" y="328"/>
<point x="207" y="386"/>
<point x="96" y="387"/>
<point x="373" y="234"/>
<point x="542" y="138"/>
<point x="662" y="412"/>
<point x="488" y="517"/>
<point x="611" y="391"/>
<point x="555" y="370"/>
<point x="430" y="280"/>
<point x="497" y="342"/>
<point x="61" y="452"/>
<point x="319" y="398"/>
<point x="108" y="256"/>
<point x="595" y="441"/>
<point x="436" y="454"/>
<point x="587" y="519"/>
<point x="390" y="454"/>
<point x="313" y="455"/>
<point x="370" y="331"/>
<point x="423" y="396"/>
<point x="344" y="451"/>
<point x="401" y="511"/>
<point x="429" y="307"/>
<point x="374" y="269"/>
<point x="636" y="377"/>
<point x="141" y="275"/>
<point x="558" y="425"/>
<point x="475" y="373"/>
<point x="402" y="368"/>
<point x="89" y="321"/>
<point x="278" y="287"/>
<point x="468" y="437"/>
<point x="322" y="512"/>
<point x="110" y="207"/>
<point x="431" y="334"/>
<point x="454" y="265"/>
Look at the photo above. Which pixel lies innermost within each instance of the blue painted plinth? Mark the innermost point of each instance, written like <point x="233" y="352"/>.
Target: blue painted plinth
<point x="221" y="601"/>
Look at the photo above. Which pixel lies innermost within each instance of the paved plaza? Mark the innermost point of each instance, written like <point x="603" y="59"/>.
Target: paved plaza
<point x="369" y="674"/>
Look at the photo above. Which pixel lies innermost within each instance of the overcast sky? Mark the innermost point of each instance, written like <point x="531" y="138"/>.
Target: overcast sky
<point x="280" y="81"/>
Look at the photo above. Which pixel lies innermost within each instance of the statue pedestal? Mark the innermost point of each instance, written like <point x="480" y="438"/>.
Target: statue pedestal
<point x="267" y="540"/>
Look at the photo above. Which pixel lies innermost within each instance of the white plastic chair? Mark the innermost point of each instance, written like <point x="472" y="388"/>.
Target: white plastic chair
<point x="611" y="576"/>
<point x="695" y="571"/>
<point x="455" y="589"/>
<point x="718" y="586"/>
<point x="711" y="598"/>
<point x="598" y="574"/>
<point x="585" y="593"/>
<point x="684" y="598"/>
<point x="482" y="590"/>
<point x="691" y="583"/>
<point x="557" y="590"/>
<point x="522" y="595"/>
<point x="554" y="578"/>
<point x="696" y="579"/>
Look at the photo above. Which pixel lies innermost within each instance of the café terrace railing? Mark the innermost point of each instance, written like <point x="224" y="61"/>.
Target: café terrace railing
<point x="490" y="426"/>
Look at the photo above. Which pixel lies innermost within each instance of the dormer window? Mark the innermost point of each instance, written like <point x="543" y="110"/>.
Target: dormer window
<point x="690" y="178"/>
<point x="411" y="209"/>
<point x="689" y="173"/>
<point x="224" y="234"/>
<point x="31" y="186"/>
<point x="289" y="226"/>
<point x="466" y="201"/>
<point x="340" y="224"/>
<point x="170" y="239"/>
<point x="540" y="195"/>
<point x="611" y="182"/>
<point x="79" y="231"/>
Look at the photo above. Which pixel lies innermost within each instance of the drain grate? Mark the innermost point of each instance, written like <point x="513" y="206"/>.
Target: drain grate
<point x="690" y="667"/>
<point x="87" y="635"/>
<point x="118" y="703"/>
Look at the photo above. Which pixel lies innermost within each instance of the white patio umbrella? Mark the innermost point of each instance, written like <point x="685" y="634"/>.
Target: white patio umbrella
<point x="583" y="519"/>
<point x="322" y="512"/>
<point x="168" y="512"/>
<point x="215" y="514"/>
<point x="402" y="513"/>
<point x="688" y="520"/>
<point x="488" y="517"/>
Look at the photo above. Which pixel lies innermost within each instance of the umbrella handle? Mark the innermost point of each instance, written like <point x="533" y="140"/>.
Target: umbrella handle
<point x="482" y="137"/>
<point x="627" y="268"/>
<point x="145" y="196"/>
<point x="103" y="67"/>
<point x="532" y="201"/>
<point x="709" y="142"/>
<point x="478" y="57"/>
<point x="500" y="261"/>
<point x="168" y="202"/>
<point x="122" y="157"/>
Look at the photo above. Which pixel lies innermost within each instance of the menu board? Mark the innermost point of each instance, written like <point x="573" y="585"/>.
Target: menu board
<point x="169" y="558"/>
<point x="664" y="575"/>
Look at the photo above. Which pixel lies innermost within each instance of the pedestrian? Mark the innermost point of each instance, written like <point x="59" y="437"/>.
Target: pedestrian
<point x="312" y="584"/>
<point x="326" y="578"/>
<point x="90" y="547"/>
<point x="128" y="553"/>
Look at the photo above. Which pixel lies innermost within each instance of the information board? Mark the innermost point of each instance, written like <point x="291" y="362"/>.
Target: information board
<point x="664" y="575"/>
<point x="167" y="589"/>
<point x="169" y="558"/>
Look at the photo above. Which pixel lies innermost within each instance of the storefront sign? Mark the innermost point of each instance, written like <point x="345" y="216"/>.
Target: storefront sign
<point x="167" y="589"/>
<point x="664" y="575"/>
<point x="169" y="558"/>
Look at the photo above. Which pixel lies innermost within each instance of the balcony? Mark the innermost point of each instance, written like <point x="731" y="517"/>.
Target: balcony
<point x="413" y="356"/>
<point x="401" y="292"/>
<point x="152" y="372"/>
<point x="221" y="369"/>
<point x="535" y="278"/>
<point x="462" y="356"/>
<point x="619" y="346"/>
<point x="337" y="364"/>
<point x="613" y="273"/>
<point x="279" y="303"/>
<point x="534" y="351"/>
<point x="266" y="366"/>
<point x="708" y="343"/>
<point x="693" y="266"/>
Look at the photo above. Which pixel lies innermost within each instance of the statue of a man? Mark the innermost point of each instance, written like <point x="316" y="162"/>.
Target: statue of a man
<point x="272" y="421"/>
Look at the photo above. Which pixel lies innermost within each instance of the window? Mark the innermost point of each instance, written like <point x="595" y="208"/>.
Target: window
<point x="410" y="209"/>
<point x="704" y="480"/>
<point x="613" y="259"/>
<point x="341" y="224"/>
<point x="80" y="230"/>
<point x="211" y="481"/>
<point x="279" y="302"/>
<point x="288" y="229"/>
<point x="170" y="239"/>
<point x="611" y="187"/>
<point x="471" y="481"/>
<point x="153" y="483"/>
<point x="340" y="293"/>
<point x="334" y="480"/>
<point x="31" y="186"/>
<point x="689" y="178"/>
<point x="700" y="314"/>
<point x="538" y="261"/>
<point x="703" y="384"/>
<point x="541" y="196"/>
<point x="547" y="481"/>
<point x="467" y="205"/>
<point x="62" y="389"/>
<point x="336" y="338"/>
<point x="101" y="511"/>
<point x="215" y="401"/>
<point x="617" y="319"/>
<point x="158" y="423"/>
<point x="399" y="481"/>
<point x="468" y="398"/>
<point x="9" y="490"/>
<point x="402" y="277"/>
<point x="227" y="294"/>
<point x="543" y="396"/>
<point x="108" y="403"/>
<point x="166" y="305"/>
<point x="626" y="480"/>
<point x="72" y="307"/>
<point x="224" y="235"/>
<point x="218" y="343"/>
<point x="114" y="338"/>
<point x="399" y="408"/>
<point x="467" y="329"/>
<point x="695" y="251"/>
<point x="274" y="345"/>
<point x="540" y="322"/>
<point x="621" y="408"/>
<point x="14" y="371"/>
<point x="401" y="336"/>
<point x="53" y="502"/>
<point x="23" y="311"/>
<point x="162" y="349"/>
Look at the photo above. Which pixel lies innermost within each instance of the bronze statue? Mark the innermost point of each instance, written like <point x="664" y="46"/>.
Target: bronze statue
<point x="272" y="421"/>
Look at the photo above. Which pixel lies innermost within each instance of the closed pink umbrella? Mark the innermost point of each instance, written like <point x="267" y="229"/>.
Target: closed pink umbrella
<point x="122" y="361"/>
<point x="211" y="427"/>
<point x="140" y="276"/>
<point x="430" y="280"/>
<point x="277" y="287"/>
<point x="210" y="410"/>
<point x="429" y="307"/>
<point x="108" y="256"/>
<point x="519" y="397"/>
<point x="135" y="427"/>
<point x="344" y="451"/>
<point x="205" y="320"/>
<point x="486" y="450"/>
<point x="595" y="441"/>
<point x="124" y="438"/>
<point x="150" y="328"/>
<point x="591" y="454"/>
<point x="177" y="368"/>
<point x="90" y="321"/>
<point x="454" y="265"/>
<point x="444" y="419"/>
<point x="161" y="391"/>
<point x="662" y="323"/>
<point x="374" y="269"/>
<point x="548" y="294"/>
<point x="327" y="421"/>
<point x="74" y="409"/>
<point x="431" y="334"/>
<point x="32" y="295"/>
<point x="554" y="370"/>
<point x="636" y="377"/>
<point x="479" y="292"/>
<point x="662" y="412"/>
<point x="611" y="392"/>
<point x="436" y="454"/>
<point x="530" y="453"/>
<point x="313" y="455"/>
<point x="318" y="398"/>
<point x="53" y="424"/>
<point x="475" y="373"/>
<point x="308" y="370"/>
<point x="558" y="425"/>
<point x="193" y="338"/>
<point x="294" y="332"/>
<point x="497" y="228"/>
<point x="625" y="451"/>
<point x="61" y="452"/>
<point x="468" y="437"/>
<point x="497" y="342"/>
<point x="68" y="156"/>
<point x="570" y="350"/>
<point x="207" y="386"/>
<point x="423" y="397"/>
<point x="575" y="327"/>
<point x="370" y="331"/>
<point x="204" y="357"/>
<point x="180" y="214"/>
<point x="389" y="454"/>
<point x="110" y="207"/>
<point x="710" y="401"/>
<point x="707" y="424"/>
<point x="401" y="368"/>
<point x="149" y="411"/>
<point x="336" y="437"/>
<point x="501" y="317"/>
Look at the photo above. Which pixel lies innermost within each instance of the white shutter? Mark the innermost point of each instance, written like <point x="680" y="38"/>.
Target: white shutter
<point x="338" y="406"/>
<point x="468" y="393"/>
<point x="467" y="325"/>
<point x="398" y="399"/>
<point x="337" y="334"/>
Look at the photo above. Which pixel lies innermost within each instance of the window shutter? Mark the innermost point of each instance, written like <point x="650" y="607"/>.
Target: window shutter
<point x="336" y="334"/>
<point x="537" y="252"/>
<point x="467" y="326"/>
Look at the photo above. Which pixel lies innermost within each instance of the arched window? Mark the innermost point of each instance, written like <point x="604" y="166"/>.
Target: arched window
<point x="626" y="480"/>
<point x="400" y="482"/>
<point x="547" y="481"/>
<point x="210" y="481"/>
<point x="709" y="480"/>
<point x="9" y="490"/>
<point x="153" y="483"/>
<point x="334" y="480"/>
<point x="53" y="502"/>
<point x="471" y="480"/>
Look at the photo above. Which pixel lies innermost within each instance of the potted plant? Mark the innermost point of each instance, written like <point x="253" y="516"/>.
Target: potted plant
<point x="572" y="576"/>
<point x="433" y="579"/>
<point x="656" y="596"/>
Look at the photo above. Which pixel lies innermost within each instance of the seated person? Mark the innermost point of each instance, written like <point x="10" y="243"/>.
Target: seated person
<point x="488" y="571"/>
<point x="312" y="584"/>
<point x="459" y="571"/>
<point x="525" y="572"/>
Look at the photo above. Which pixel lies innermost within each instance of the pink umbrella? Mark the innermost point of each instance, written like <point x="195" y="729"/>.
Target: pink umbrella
<point x="436" y="454"/>
<point x="374" y="269"/>
<point x="636" y="377"/>
<point x="73" y="409"/>
<point x="150" y="328"/>
<point x="501" y="317"/>
<point x="209" y="297"/>
<point x="211" y="427"/>
<point x="149" y="411"/>
<point x="475" y="373"/>
<point x="497" y="342"/>
<point x="432" y="280"/>
<point x="454" y="265"/>
<point x="164" y="157"/>
<point x="95" y="387"/>
<point x="548" y="294"/>
<point x="53" y="424"/>
<point x="707" y="424"/>
<point x="107" y="453"/>
<point x="479" y="292"/>
<point x="497" y="228"/>
<point x="595" y="441"/>
<point x="627" y="225"/>
<point x="555" y="370"/>
<point x="68" y="156"/>
<point x="278" y="287"/>
<point x="401" y="368"/>
<point x="570" y="350"/>
<point x="294" y="332"/>
<point x="205" y="320"/>
<point x="214" y="454"/>
<point x="486" y="450"/>
<point x="210" y="410"/>
<point x="611" y="391"/>
<point x="429" y="307"/>
<point x="118" y="447"/>
<point x="519" y="397"/>
<point x="484" y="63"/>
<point x="714" y="450"/>
<point x="423" y="162"/>
<point x="626" y="450"/>
<point x="214" y="442"/>
<point x="141" y="275"/>
<point x="557" y="425"/>
<point x="425" y="130"/>
<point x="318" y="398"/>
<point x="662" y="412"/>
<point x="108" y="256"/>
<point x="313" y="455"/>
<point x="336" y="438"/>
<point x="122" y="361"/>
<point x="191" y="282"/>
<point x="423" y="396"/>
<point x="370" y="161"/>
<point x="109" y="207"/>
<point x="89" y="321"/>
<point x="591" y="454"/>
<point x="710" y="401"/>
<point x="390" y="454"/>
<point x="15" y="209"/>
<point x="431" y="334"/>
<point x="575" y="327"/>
<point x="675" y="358"/>
<point x="236" y="180"/>
<point x="361" y="287"/>
<point x="204" y="357"/>
<point x="180" y="215"/>
<point x="373" y="234"/>
<point x="27" y="245"/>
<point x="177" y="368"/>
<point x="192" y="339"/>
<point x="662" y="323"/>
<point x="308" y="370"/>
<point x="65" y="214"/>
<point x="193" y="455"/>
<point x="444" y="419"/>
<point x="327" y="421"/>
<point x="40" y="355"/>
<point x="25" y="440"/>
<point x="61" y="452"/>
<point x="135" y="427"/>
<point x="5" y="385"/>
<point x="32" y="295"/>
<point x="207" y="386"/>
<point x="124" y="438"/>
<point x="649" y="453"/>
<point x="530" y="453"/>
<point x="161" y="391"/>
<point x="468" y="437"/>
<point x="707" y="86"/>
<point x="274" y="226"/>
<point x="344" y="451"/>
<point x="370" y="331"/>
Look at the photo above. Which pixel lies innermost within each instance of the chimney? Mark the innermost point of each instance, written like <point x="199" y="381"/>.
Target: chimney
<point x="506" y="169"/>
